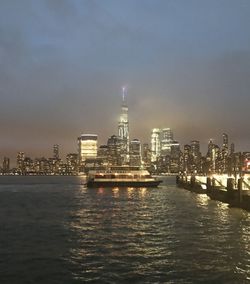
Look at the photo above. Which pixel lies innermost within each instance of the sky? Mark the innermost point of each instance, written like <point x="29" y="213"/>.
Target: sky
<point x="63" y="63"/>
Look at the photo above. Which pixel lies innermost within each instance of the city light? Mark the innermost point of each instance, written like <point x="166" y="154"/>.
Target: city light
<point x="162" y="156"/>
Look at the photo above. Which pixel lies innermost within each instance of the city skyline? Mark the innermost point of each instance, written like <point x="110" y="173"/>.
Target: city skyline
<point x="123" y="129"/>
<point x="186" y="65"/>
<point x="162" y="156"/>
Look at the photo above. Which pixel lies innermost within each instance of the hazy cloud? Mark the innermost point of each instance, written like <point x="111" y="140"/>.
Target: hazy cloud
<point x="62" y="65"/>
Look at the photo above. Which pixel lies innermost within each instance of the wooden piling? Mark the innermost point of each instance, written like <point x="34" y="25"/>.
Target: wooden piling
<point x="230" y="184"/>
<point x="239" y="187"/>
<point x="209" y="183"/>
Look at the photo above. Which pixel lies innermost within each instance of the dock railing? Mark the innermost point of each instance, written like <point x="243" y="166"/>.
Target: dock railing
<point x="232" y="189"/>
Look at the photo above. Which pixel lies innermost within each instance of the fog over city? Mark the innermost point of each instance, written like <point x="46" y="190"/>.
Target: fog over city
<point x="186" y="65"/>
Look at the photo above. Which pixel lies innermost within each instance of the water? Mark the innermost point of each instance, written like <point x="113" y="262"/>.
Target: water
<point x="54" y="230"/>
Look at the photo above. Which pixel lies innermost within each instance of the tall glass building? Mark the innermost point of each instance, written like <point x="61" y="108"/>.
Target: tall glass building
<point x="155" y="144"/>
<point x="123" y="130"/>
<point x="87" y="147"/>
<point x="135" y="153"/>
<point x="56" y="151"/>
<point x="166" y="141"/>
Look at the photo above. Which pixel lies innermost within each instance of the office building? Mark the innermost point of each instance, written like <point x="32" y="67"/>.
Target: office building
<point x="56" y="151"/>
<point x="6" y="165"/>
<point x="72" y="163"/>
<point x="135" y="153"/>
<point x="225" y="143"/>
<point x="155" y="144"/>
<point x="87" y="147"/>
<point x="20" y="162"/>
<point x="102" y="154"/>
<point x="195" y="156"/>
<point x="115" y="148"/>
<point x="175" y="157"/>
<point x="146" y="154"/>
<point x="166" y="140"/>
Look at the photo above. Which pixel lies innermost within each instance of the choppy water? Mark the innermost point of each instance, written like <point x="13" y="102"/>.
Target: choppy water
<point x="54" y="230"/>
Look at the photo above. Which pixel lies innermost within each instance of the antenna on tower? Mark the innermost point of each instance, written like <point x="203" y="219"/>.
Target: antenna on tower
<point x="123" y="94"/>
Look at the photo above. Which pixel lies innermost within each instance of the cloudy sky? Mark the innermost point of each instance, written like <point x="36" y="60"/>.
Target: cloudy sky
<point x="186" y="64"/>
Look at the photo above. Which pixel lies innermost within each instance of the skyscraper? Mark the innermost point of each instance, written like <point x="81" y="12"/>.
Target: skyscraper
<point x="135" y="153"/>
<point x="6" y="165"/>
<point x="123" y="129"/>
<point x="196" y="155"/>
<point x="102" y="154"/>
<point x="232" y="149"/>
<point x="72" y="163"/>
<point x="167" y="135"/>
<point x="225" y="142"/>
<point x="224" y="153"/>
<point x="175" y="156"/>
<point x="210" y="148"/>
<point x="146" y="154"/>
<point x="20" y="162"/>
<point x="195" y="150"/>
<point x="187" y="158"/>
<point x="155" y="144"/>
<point x="56" y="151"/>
<point x="87" y="147"/>
<point x="115" y="145"/>
<point x="166" y="141"/>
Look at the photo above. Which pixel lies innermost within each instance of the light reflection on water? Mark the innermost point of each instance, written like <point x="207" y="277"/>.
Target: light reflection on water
<point x="152" y="235"/>
<point x="202" y="200"/>
<point x="67" y="233"/>
<point x="130" y="191"/>
<point x="115" y="192"/>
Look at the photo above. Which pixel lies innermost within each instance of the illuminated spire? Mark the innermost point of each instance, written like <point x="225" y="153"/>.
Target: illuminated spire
<point x="123" y="94"/>
<point x="123" y="127"/>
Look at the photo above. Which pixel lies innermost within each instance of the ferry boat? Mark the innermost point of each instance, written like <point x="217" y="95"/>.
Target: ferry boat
<point x="121" y="177"/>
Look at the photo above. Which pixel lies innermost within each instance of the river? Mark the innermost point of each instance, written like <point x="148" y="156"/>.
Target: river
<point x="55" y="230"/>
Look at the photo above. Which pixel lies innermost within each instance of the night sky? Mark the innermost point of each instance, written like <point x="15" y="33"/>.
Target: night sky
<point x="185" y="63"/>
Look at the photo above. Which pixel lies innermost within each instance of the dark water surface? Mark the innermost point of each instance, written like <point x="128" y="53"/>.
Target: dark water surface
<point x="54" y="230"/>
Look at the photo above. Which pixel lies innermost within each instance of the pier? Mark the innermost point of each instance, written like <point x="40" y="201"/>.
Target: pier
<point x="233" y="190"/>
